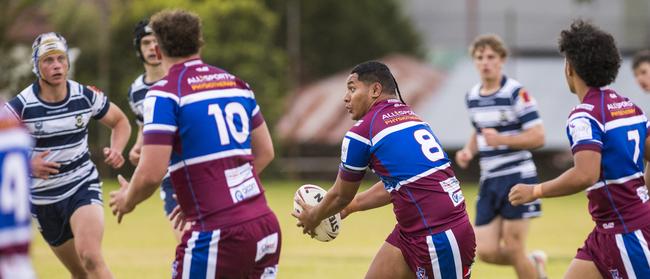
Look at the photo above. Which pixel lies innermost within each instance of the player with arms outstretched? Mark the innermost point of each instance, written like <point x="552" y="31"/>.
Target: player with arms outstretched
<point x="15" y="227"/>
<point x="66" y="194"/>
<point x="609" y="140"/>
<point x="433" y="237"/>
<point x="208" y="121"/>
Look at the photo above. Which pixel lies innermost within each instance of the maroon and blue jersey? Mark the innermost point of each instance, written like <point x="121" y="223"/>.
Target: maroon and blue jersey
<point x="402" y="150"/>
<point x="207" y="115"/>
<point x="15" y="228"/>
<point x="612" y="125"/>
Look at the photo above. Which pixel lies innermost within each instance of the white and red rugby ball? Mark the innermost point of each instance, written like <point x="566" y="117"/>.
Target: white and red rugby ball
<point x="330" y="227"/>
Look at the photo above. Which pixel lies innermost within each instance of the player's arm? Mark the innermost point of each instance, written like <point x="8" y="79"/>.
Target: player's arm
<point x="120" y="132"/>
<point x="337" y="198"/>
<point x="136" y="149"/>
<point x="375" y="196"/>
<point x="262" y="147"/>
<point x="530" y="138"/>
<point x="465" y="155"/>
<point x="584" y="173"/>
<point x="146" y="178"/>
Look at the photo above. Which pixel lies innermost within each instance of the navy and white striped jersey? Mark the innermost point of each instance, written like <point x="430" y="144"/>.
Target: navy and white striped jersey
<point x="61" y="128"/>
<point x="510" y="110"/>
<point x="137" y="93"/>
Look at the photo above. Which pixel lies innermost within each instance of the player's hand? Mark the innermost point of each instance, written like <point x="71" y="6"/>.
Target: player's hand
<point x="118" y="202"/>
<point x="113" y="158"/>
<point x="134" y="154"/>
<point x="178" y="218"/>
<point x="521" y="194"/>
<point x="463" y="157"/>
<point x="492" y="137"/>
<point x="306" y="218"/>
<point x="43" y="169"/>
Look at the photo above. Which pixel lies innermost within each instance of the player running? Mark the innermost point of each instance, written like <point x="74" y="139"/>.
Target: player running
<point x="608" y="135"/>
<point x="506" y="125"/>
<point x="208" y="121"/>
<point x="15" y="227"/>
<point x="145" y="46"/>
<point x="66" y="194"/>
<point x="433" y="237"/>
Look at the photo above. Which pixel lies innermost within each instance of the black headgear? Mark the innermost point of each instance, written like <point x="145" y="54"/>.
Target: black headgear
<point x="141" y="29"/>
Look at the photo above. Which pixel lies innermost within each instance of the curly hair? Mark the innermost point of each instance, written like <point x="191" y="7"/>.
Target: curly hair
<point x="178" y="32"/>
<point x="591" y="52"/>
<point x="489" y="40"/>
<point x="640" y="57"/>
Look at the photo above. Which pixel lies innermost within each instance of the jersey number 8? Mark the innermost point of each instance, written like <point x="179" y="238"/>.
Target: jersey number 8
<point x="430" y="147"/>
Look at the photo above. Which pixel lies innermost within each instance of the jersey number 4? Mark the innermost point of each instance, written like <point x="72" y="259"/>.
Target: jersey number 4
<point x="14" y="190"/>
<point x="430" y="146"/>
<point x="227" y="123"/>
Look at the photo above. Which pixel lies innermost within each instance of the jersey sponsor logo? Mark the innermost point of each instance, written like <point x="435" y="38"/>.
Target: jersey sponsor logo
<point x="56" y="110"/>
<point x="580" y="129"/>
<point x="214" y="85"/>
<point x="399" y="116"/>
<point x="452" y="187"/>
<point x="267" y="245"/>
<point x="621" y="108"/>
<point x="244" y="191"/>
<point x="209" y="78"/>
<point x="608" y="226"/>
<point x="642" y="192"/>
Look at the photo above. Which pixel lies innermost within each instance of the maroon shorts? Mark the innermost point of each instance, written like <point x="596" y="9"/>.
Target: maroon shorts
<point x="246" y="250"/>
<point x="624" y="255"/>
<point x="447" y="254"/>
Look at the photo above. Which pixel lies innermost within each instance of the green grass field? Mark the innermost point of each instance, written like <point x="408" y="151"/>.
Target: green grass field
<point x="143" y="245"/>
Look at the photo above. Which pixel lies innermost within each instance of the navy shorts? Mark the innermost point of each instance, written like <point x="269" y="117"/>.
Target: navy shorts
<point x="53" y="220"/>
<point x="167" y="195"/>
<point x="493" y="200"/>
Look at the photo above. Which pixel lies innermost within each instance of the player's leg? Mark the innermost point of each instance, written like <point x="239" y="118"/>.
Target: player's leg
<point x="582" y="269"/>
<point x="169" y="203"/>
<point x="488" y="224"/>
<point x="53" y="223"/>
<point x="87" y="223"/>
<point x="389" y="263"/>
<point x="488" y="242"/>
<point x="514" y="246"/>
<point x="67" y="254"/>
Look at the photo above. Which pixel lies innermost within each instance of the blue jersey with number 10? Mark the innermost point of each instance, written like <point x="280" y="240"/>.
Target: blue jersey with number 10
<point x="207" y="115"/>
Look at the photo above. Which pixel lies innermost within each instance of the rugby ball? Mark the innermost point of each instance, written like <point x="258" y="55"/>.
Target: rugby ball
<point x="330" y="227"/>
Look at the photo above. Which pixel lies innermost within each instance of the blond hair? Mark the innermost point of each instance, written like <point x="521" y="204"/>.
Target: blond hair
<point x="489" y="40"/>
